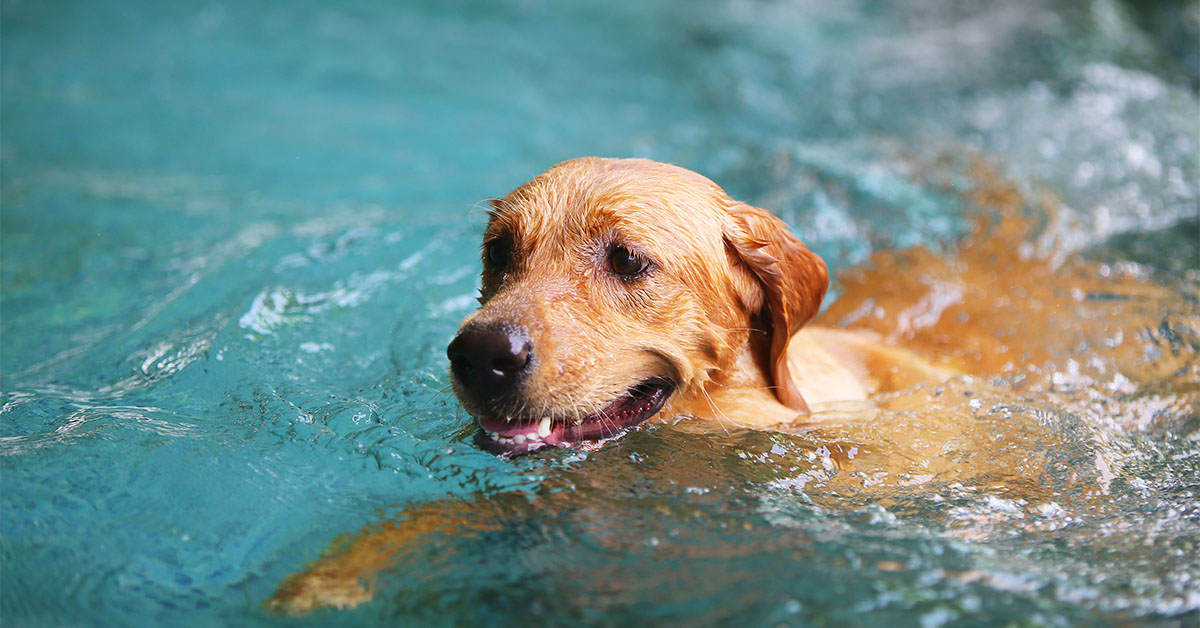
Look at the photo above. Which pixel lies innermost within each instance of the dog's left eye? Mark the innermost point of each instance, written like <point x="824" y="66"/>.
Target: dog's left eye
<point x="625" y="262"/>
<point x="498" y="252"/>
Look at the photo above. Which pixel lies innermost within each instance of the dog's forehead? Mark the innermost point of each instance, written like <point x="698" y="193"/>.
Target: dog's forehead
<point x="590" y="196"/>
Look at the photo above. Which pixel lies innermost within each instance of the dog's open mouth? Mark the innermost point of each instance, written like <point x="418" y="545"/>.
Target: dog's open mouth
<point x="521" y="435"/>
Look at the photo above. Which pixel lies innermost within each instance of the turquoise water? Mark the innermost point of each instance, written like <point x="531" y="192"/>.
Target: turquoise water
<point x="237" y="238"/>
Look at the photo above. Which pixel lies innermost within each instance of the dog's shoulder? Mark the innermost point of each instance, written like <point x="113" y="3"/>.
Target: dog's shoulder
<point x="841" y="365"/>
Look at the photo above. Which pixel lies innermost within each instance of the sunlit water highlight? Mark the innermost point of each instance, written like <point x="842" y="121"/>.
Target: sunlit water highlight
<point x="236" y="239"/>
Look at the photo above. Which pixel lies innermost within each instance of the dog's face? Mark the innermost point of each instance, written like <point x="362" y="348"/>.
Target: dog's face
<point x="615" y="290"/>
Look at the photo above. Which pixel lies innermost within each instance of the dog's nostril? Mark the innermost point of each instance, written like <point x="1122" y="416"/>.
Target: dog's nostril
<point x="488" y="360"/>
<point x="515" y="359"/>
<point x="458" y="361"/>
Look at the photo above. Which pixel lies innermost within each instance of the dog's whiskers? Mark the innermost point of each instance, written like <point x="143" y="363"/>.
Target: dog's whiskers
<point x="720" y="415"/>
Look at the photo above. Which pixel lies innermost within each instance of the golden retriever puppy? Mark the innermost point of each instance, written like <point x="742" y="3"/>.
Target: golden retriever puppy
<point x="617" y="291"/>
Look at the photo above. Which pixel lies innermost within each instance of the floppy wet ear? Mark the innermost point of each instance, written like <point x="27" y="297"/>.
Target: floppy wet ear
<point x="793" y="280"/>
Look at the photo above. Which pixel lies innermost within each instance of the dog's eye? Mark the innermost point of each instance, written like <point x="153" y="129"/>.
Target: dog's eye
<point x="625" y="262"/>
<point x="498" y="252"/>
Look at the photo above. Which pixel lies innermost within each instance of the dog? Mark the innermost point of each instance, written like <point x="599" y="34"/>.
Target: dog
<point x="617" y="292"/>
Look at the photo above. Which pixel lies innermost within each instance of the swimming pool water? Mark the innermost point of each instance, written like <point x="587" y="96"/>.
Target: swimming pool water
<point x="236" y="238"/>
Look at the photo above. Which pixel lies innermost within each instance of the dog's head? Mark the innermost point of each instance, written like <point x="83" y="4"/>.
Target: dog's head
<point x="615" y="290"/>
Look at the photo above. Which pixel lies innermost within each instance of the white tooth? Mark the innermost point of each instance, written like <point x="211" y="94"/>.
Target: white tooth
<point x="519" y="438"/>
<point x="544" y="427"/>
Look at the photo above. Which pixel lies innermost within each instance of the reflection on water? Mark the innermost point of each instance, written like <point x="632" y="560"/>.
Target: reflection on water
<point x="236" y="239"/>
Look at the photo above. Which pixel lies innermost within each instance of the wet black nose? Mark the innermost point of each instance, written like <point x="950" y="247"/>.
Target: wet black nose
<point x="489" y="360"/>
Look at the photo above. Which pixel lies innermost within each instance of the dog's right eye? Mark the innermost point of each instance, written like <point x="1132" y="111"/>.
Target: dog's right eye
<point x="626" y="263"/>
<point x="498" y="252"/>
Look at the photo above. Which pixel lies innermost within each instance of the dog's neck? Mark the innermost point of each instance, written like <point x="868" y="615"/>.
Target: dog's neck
<point x="740" y="392"/>
<point x="830" y="367"/>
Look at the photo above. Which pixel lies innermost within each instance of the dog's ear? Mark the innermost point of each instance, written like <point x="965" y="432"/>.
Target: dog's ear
<point x="792" y="279"/>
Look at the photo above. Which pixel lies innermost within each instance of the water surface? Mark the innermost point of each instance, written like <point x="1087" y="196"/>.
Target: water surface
<point x="237" y="237"/>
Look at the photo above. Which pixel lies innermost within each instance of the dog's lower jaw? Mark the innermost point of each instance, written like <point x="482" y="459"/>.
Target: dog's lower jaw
<point x="510" y="436"/>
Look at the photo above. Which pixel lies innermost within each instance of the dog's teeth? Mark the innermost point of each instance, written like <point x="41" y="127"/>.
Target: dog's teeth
<point x="544" y="427"/>
<point x="519" y="438"/>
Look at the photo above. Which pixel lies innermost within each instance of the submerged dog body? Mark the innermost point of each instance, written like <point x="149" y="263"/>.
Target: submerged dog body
<point x="616" y="291"/>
